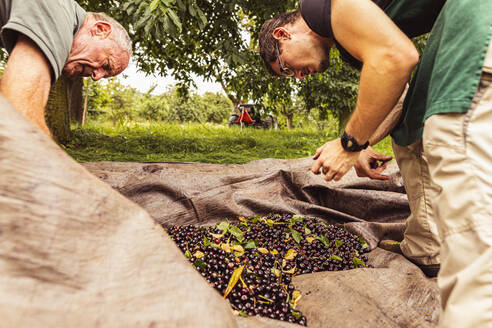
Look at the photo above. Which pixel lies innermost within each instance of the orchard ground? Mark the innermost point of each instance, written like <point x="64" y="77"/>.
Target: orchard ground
<point x="195" y="142"/>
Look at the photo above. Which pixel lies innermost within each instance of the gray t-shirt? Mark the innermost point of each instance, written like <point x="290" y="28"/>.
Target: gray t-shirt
<point x="51" y="24"/>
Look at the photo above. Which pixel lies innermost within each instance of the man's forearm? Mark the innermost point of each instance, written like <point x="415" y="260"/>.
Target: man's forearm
<point x="26" y="81"/>
<point x="390" y="121"/>
<point x="379" y="92"/>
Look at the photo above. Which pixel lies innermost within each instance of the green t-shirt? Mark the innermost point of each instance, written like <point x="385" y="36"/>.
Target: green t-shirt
<point x="51" y="24"/>
<point x="450" y="68"/>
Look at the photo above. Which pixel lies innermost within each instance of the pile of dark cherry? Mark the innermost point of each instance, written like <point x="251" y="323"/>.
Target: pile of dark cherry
<point x="252" y="262"/>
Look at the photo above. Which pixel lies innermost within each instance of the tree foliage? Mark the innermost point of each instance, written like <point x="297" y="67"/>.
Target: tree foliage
<point x="119" y="104"/>
<point x="217" y="41"/>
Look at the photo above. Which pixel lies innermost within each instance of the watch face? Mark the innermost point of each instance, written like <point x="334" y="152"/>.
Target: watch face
<point x="350" y="144"/>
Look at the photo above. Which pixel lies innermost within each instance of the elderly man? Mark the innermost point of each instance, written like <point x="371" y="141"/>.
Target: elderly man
<point x="47" y="38"/>
<point x="444" y="129"/>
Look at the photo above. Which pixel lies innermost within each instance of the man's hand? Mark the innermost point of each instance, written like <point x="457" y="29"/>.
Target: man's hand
<point x="371" y="163"/>
<point x="333" y="160"/>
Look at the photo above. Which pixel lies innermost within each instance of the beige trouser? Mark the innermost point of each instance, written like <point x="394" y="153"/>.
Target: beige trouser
<point x="459" y="152"/>
<point x="421" y="240"/>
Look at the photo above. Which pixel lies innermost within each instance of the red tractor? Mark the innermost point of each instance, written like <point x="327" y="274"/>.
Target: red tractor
<point x="249" y="115"/>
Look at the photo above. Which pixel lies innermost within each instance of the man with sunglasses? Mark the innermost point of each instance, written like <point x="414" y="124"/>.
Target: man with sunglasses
<point x="442" y="139"/>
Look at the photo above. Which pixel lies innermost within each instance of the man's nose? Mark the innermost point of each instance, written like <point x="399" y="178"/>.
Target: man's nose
<point x="299" y="74"/>
<point x="97" y="75"/>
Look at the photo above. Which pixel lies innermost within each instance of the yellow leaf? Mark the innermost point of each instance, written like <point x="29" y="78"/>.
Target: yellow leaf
<point x="233" y="281"/>
<point x="274" y="252"/>
<point x="310" y="239"/>
<point x="241" y="218"/>
<point x="262" y="250"/>
<point x="291" y="254"/>
<point x="276" y="272"/>
<point x="296" y="297"/>
<point x="242" y="281"/>
<point x="237" y="249"/>
<point x="198" y="255"/>
<point x="226" y="247"/>
<point x="291" y="271"/>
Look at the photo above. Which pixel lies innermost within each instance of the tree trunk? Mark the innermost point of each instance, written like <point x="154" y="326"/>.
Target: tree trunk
<point x="288" y="120"/>
<point x="75" y="86"/>
<point x="86" y="100"/>
<point x="57" y="115"/>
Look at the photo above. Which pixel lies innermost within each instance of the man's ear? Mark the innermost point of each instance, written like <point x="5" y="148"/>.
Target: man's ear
<point x="280" y="33"/>
<point x="101" y="29"/>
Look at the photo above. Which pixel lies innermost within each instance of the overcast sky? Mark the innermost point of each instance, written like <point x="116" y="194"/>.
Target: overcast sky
<point x="142" y="82"/>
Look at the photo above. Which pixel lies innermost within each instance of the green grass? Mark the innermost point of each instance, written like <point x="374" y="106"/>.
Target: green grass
<point x="192" y="142"/>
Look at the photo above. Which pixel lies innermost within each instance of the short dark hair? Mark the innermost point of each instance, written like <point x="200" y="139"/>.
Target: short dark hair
<point x="267" y="41"/>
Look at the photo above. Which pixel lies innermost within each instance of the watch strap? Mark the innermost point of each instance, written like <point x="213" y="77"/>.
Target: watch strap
<point x="350" y="144"/>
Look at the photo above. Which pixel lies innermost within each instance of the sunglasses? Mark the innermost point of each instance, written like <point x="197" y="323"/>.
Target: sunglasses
<point x="284" y="71"/>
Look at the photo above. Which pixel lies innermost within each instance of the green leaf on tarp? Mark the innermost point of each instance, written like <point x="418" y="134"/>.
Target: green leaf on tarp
<point x="296" y="235"/>
<point x="307" y="231"/>
<point x="296" y="219"/>
<point x="236" y="232"/>
<point x="234" y="279"/>
<point x="250" y="245"/>
<point x="206" y="242"/>
<point x="296" y="315"/>
<point x="215" y="245"/>
<point x="291" y="254"/>
<point x="216" y="235"/>
<point x="199" y="263"/>
<point x="222" y="225"/>
<point x="188" y="254"/>
<point x="357" y="261"/>
<point x="242" y="314"/>
<point x="287" y="236"/>
<point x="338" y="243"/>
<point x="336" y="257"/>
<point x="364" y="243"/>
<point x="323" y="239"/>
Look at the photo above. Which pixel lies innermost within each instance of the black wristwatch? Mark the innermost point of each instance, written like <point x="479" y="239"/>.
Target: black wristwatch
<point x="350" y="144"/>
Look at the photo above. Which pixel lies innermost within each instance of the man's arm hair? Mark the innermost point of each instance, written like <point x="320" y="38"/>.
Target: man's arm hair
<point x="26" y="81"/>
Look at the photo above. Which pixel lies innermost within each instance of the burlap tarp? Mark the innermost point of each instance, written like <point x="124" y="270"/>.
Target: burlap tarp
<point x="75" y="252"/>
